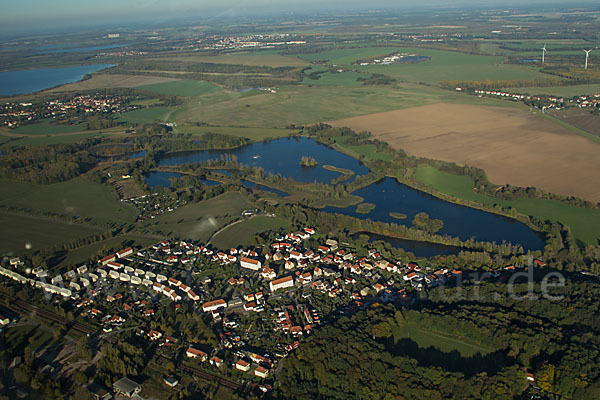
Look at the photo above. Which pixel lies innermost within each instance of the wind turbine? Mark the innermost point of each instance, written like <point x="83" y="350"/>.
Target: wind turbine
<point x="544" y="51"/>
<point x="587" y="55"/>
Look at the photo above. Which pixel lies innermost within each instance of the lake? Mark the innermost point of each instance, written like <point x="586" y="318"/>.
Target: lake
<point x="33" y="80"/>
<point x="159" y="178"/>
<point x="389" y="195"/>
<point x="418" y="248"/>
<point x="280" y="156"/>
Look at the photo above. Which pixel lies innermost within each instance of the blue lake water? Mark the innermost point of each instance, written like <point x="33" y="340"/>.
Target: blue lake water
<point x="418" y="248"/>
<point x="280" y="156"/>
<point x="33" y="80"/>
<point x="459" y="221"/>
<point x="154" y="179"/>
<point x="137" y="154"/>
<point x="257" y="186"/>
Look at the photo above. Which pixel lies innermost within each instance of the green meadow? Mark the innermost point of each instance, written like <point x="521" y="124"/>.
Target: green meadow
<point x="188" y="88"/>
<point x="37" y="233"/>
<point x="582" y="221"/>
<point x="46" y="128"/>
<point x="147" y="115"/>
<point x="245" y="232"/>
<point x="76" y="197"/>
<point x="198" y="221"/>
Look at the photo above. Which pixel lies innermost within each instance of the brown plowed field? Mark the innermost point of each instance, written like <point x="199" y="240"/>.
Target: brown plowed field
<point x="512" y="145"/>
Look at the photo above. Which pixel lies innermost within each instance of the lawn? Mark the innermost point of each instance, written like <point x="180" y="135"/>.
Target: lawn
<point x="187" y="88"/>
<point x="37" y="232"/>
<point x="77" y="196"/>
<point x="45" y="127"/>
<point x="582" y="221"/>
<point x="198" y="221"/>
<point x="244" y="232"/>
<point x="147" y="115"/>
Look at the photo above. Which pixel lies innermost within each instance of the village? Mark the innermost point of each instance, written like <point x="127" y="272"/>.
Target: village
<point x="14" y="114"/>
<point x="259" y="302"/>
<point x="546" y="102"/>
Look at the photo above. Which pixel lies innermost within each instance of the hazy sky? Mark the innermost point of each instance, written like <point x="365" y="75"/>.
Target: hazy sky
<point x="22" y="14"/>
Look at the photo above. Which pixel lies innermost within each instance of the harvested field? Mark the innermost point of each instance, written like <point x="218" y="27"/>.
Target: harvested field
<point x="512" y="145"/>
<point x="98" y="81"/>
<point x="580" y="118"/>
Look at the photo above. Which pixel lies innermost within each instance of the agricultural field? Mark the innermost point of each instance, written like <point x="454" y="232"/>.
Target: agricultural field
<point x="198" y="221"/>
<point x="583" y="222"/>
<point x="188" y="88"/>
<point x="37" y="233"/>
<point x="245" y="232"/>
<point x="102" y="81"/>
<point x="147" y="115"/>
<point x="511" y="145"/>
<point x="259" y="59"/>
<point x="580" y="118"/>
<point x="76" y="197"/>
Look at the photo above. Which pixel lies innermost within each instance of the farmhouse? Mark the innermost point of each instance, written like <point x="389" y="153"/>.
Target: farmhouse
<point x="281" y="283"/>
<point x="194" y="353"/>
<point x="214" y="305"/>
<point x="249" y="263"/>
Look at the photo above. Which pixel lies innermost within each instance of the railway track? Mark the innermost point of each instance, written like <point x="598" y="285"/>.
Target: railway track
<point x="208" y="376"/>
<point x="26" y="309"/>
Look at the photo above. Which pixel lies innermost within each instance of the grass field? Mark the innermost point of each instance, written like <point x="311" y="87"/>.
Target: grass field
<point x="346" y="78"/>
<point x="425" y="338"/>
<point x="35" y="141"/>
<point x="198" y="221"/>
<point x="46" y="128"/>
<point x="566" y="91"/>
<point x="77" y="196"/>
<point x="260" y="58"/>
<point x="147" y="115"/>
<point x="83" y="254"/>
<point x="301" y="104"/>
<point x="244" y="232"/>
<point x="583" y="222"/>
<point x="511" y="145"/>
<point x="187" y="88"/>
<point x="257" y="134"/>
<point x="443" y="65"/>
<point x="98" y="81"/>
<point x="36" y="232"/>
<point x="368" y="151"/>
